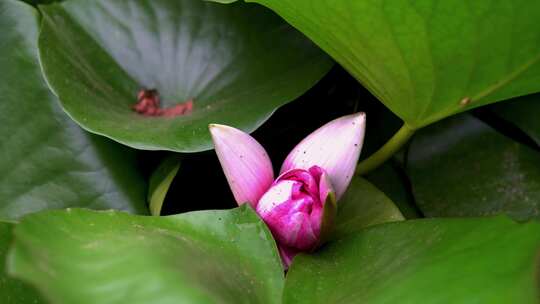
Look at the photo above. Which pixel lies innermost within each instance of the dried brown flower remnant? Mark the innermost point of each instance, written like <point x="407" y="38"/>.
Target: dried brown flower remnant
<point x="148" y="104"/>
<point x="179" y="109"/>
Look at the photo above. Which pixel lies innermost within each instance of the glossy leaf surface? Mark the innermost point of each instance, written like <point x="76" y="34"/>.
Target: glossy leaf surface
<point x="429" y="59"/>
<point x="46" y="160"/>
<point x="237" y="62"/>
<point x="111" y="257"/>
<point x="476" y="260"/>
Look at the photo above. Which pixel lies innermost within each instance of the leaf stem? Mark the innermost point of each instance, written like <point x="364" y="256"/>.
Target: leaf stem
<point x="387" y="150"/>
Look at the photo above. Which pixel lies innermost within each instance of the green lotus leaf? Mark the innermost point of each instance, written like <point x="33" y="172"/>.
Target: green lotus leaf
<point x="112" y="257"/>
<point x="238" y="63"/>
<point x="426" y="60"/>
<point x="474" y="260"/>
<point x="46" y="160"/>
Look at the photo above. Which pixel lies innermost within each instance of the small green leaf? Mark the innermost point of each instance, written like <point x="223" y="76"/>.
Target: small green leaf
<point x="329" y="218"/>
<point x="462" y="167"/>
<point x="480" y="260"/>
<point x="391" y="179"/>
<point x="238" y="62"/>
<point x="361" y="206"/>
<point x="46" y="160"/>
<point x="13" y="291"/>
<point x="522" y="112"/>
<point x="160" y="181"/>
<point x="426" y="60"/>
<point x="89" y="257"/>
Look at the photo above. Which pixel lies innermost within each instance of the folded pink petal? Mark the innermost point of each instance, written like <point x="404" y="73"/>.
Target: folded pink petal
<point x="292" y="207"/>
<point x="286" y="209"/>
<point x="246" y="164"/>
<point x="335" y="147"/>
<point x="325" y="187"/>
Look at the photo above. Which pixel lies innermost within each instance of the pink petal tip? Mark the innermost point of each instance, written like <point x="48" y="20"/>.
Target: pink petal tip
<point x="246" y="164"/>
<point x="335" y="147"/>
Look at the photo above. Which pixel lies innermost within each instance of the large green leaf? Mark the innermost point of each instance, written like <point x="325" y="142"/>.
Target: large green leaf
<point x="110" y="257"/>
<point x="463" y="167"/>
<point x="485" y="260"/>
<point x="427" y="59"/>
<point x="13" y="291"/>
<point x="238" y="62"/>
<point x="46" y="160"/>
<point x="522" y="112"/>
<point x="361" y="206"/>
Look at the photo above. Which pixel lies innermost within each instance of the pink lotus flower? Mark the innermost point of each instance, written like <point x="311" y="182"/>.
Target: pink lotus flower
<point x="299" y="206"/>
